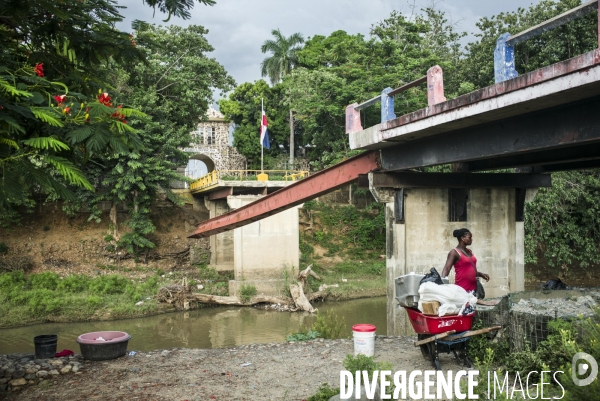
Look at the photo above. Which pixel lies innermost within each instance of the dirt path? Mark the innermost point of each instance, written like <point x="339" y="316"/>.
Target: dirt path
<point x="276" y="372"/>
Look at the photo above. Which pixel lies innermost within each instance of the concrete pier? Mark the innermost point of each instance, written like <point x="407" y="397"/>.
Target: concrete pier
<point x="425" y="238"/>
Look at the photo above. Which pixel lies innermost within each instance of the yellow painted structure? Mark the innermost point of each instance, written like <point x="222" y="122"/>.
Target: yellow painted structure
<point x="219" y="177"/>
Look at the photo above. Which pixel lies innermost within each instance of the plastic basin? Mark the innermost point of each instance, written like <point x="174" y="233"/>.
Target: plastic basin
<point x="113" y="345"/>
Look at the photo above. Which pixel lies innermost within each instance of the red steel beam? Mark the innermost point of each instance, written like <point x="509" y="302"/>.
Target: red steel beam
<point x="299" y="192"/>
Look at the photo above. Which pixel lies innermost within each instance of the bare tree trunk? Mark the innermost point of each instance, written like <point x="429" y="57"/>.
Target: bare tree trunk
<point x="291" y="167"/>
<point x="113" y="220"/>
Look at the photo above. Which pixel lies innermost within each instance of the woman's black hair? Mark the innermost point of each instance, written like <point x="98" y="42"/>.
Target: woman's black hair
<point x="460" y="232"/>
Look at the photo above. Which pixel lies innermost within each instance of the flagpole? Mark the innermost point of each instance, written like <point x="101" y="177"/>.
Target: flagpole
<point x="262" y="148"/>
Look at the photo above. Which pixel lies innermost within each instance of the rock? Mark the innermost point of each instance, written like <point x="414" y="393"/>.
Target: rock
<point x="42" y="373"/>
<point x="134" y="369"/>
<point x="165" y="353"/>
<point x="30" y="371"/>
<point x="4" y="380"/>
<point x="65" y="370"/>
<point x="30" y="376"/>
<point x="3" y="388"/>
<point x="19" y="373"/>
<point x="54" y="372"/>
<point x="17" y="382"/>
<point x="9" y="372"/>
<point x="75" y="369"/>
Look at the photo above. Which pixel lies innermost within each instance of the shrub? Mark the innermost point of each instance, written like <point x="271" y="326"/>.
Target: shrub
<point x="3" y="248"/>
<point x="303" y="336"/>
<point x="74" y="283"/>
<point x="324" y="393"/>
<point x="44" y="301"/>
<point x="46" y="280"/>
<point x="328" y="325"/>
<point x="110" y="284"/>
<point x="247" y="292"/>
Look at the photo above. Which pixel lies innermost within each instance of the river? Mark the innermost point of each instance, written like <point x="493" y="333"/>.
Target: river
<point x="216" y="327"/>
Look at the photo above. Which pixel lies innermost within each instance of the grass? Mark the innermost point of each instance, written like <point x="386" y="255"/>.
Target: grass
<point x="48" y="297"/>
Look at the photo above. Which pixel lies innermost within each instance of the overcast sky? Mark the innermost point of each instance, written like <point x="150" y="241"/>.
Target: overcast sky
<point x="237" y="28"/>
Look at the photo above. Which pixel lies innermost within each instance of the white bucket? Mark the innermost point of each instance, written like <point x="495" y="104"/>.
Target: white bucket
<point x="364" y="339"/>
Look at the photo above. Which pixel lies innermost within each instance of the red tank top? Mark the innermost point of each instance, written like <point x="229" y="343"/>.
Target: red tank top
<point x="466" y="275"/>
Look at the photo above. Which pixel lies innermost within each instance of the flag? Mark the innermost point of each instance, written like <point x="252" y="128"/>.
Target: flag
<point x="264" y="132"/>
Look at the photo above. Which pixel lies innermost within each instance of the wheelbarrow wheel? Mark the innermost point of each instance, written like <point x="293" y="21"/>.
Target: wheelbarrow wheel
<point x="424" y="347"/>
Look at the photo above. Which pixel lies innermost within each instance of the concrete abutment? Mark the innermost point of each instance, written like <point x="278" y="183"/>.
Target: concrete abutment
<point x="424" y="239"/>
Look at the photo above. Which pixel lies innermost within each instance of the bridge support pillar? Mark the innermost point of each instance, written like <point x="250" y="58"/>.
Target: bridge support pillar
<point x="263" y="250"/>
<point x="423" y="237"/>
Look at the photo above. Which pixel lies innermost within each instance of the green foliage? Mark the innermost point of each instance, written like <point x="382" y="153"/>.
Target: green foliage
<point x="46" y="280"/>
<point x="342" y="69"/>
<point x="3" y="248"/>
<point x="324" y="393"/>
<point x="481" y="349"/>
<point x="569" y="40"/>
<point x="44" y="296"/>
<point x="328" y="325"/>
<point x="303" y="336"/>
<point x="362" y="362"/>
<point x="284" y="55"/>
<point x="243" y="108"/>
<point x="561" y="223"/>
<point x="74" y="283"/>
<point x="109" y="284"/>
<point x="247" y="291"/>
<point x="358" y="232"/>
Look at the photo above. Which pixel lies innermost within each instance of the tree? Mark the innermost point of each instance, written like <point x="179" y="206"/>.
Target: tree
<point x="561" y="224"/>
<point x="284" y="58"/>
<point x="341" y="69"/>
<point x="175" y="87"/>
<point x="48" y="133"/>
<point x="576" y="37"/>
<point x="243" y="109"/>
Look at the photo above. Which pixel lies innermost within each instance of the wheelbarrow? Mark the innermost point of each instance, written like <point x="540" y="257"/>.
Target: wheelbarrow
<point x="445" y="334"/>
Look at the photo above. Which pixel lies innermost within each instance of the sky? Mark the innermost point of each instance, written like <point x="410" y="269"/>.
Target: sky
<point x="237" y="28"/>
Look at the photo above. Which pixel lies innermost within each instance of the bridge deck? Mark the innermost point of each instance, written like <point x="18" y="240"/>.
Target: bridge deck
<point x="555" y="85"/>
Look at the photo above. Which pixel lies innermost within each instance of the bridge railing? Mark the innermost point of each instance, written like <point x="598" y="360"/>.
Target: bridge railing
<point x="504" y="53"/>
<point x="435" y="95"/>
<point x="215" y="176"/>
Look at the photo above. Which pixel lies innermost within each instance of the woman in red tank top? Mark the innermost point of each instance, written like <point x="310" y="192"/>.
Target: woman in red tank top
<point x="464" y="262"/>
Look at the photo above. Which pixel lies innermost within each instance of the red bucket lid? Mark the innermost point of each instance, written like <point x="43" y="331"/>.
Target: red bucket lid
<point x="363" y="328"/>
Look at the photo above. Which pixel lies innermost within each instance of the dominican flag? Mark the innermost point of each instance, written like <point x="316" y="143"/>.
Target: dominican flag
<point x="264" y="133"/>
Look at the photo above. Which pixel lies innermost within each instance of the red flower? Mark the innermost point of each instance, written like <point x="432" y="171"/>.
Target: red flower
<point x="117" y="114"/>
<point x="59" y="99"/>
<point x="67" y="110"/>
<point x="39" y="69"/>
<point x="105" y="99"/>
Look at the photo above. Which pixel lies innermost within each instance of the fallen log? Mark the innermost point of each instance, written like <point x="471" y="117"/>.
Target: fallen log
<point x="221" y="300"/>
<point x="300" y="299"/>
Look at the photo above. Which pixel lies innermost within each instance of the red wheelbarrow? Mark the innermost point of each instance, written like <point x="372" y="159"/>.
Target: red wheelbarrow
<point x="445" y="334"/>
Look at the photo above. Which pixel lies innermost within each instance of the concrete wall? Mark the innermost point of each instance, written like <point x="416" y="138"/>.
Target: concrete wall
<point x="221" y="245"/>
<point x="425" y="239"/>
<point x="262" y="249"/>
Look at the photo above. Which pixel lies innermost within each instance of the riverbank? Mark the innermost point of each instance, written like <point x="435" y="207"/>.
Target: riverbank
<point x="275" y="371"/>
<point x="112" y="295"/>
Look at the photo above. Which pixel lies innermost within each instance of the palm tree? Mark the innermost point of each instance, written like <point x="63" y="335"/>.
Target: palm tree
<point x="284" y="58"/>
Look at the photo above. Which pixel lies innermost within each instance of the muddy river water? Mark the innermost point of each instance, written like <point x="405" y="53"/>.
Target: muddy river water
<point x="215" y="327"/>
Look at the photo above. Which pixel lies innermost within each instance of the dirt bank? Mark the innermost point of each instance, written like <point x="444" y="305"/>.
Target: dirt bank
<point x="252" y="372"/>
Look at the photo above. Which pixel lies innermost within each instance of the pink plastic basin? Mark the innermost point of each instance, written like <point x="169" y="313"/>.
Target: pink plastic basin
<point x="108" y="336"/>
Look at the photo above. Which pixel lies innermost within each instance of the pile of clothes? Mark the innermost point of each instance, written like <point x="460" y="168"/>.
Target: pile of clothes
<point x="454" y="300"/>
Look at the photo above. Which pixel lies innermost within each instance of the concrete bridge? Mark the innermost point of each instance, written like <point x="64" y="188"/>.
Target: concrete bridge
<point x="535" y="123"/>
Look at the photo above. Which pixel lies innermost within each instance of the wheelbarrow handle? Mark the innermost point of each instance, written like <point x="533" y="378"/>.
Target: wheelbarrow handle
<point x="434" y="337"/>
